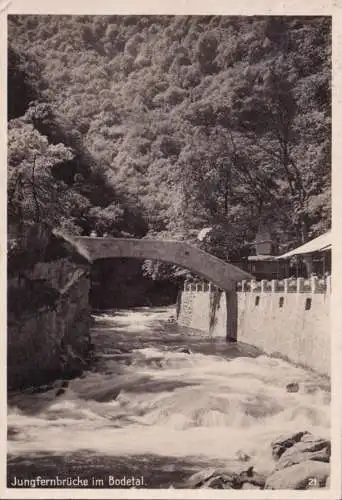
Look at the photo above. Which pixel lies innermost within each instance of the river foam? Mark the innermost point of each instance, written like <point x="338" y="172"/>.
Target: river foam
<point x="144" y="397"/>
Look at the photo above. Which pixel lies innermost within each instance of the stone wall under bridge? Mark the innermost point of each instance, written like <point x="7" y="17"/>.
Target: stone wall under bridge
<point x="289" y="318"/>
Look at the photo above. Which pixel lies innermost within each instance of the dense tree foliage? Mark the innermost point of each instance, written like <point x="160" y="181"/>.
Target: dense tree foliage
<point x="52" y="177"/>
<point x="165" y="125"/>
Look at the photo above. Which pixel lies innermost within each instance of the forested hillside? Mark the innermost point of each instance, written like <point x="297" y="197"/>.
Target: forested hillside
<point x="164" y="125"/>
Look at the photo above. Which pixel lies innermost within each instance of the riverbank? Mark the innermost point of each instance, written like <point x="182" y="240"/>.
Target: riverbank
<point x="48" y="315"/>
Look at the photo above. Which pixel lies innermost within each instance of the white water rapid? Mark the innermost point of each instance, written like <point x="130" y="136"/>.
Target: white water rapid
<point x="144" y="399"/>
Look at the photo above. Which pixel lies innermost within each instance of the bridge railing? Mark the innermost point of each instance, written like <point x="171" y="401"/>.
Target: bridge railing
<point x="288" y="285"/>
<point x="201" y="286"/>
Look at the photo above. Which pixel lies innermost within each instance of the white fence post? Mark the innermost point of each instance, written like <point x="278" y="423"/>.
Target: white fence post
<point x="314" y="284"/>
<point x="300" y="285"/>
<point x="274" y="286"/>
<point x="328" y="284"/>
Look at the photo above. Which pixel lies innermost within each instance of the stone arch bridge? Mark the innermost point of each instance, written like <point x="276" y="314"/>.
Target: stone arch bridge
<point x="212" y="269"/>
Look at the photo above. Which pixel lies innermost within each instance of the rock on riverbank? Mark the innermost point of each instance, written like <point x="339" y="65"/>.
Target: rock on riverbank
<point x="301" y="462"/>
<point x="48" y="310"/>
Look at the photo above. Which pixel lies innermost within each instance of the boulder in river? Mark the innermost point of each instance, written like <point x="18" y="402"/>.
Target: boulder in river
<point x="242" y="456"/>
<point x="303" y="476"/>
<point x="116" y="351"/>
<point x="13" y="432"/>
<point x="232" y="477"/>
<point x="218" y="483"/>
<point x="282" y="443"/>
<point x="292" y="387"/>
<point x="251" y="486"/>
<point x="308" y="448"/>
<point x="41" y="389"/>
<point x="183" y="350"/>
<point x="199" y="478"/>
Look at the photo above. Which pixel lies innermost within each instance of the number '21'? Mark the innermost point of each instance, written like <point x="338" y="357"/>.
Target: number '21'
<point x="313" y="482"/>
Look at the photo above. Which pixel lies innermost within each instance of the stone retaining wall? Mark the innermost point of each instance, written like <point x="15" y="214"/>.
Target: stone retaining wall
<point x="290" y="318"/>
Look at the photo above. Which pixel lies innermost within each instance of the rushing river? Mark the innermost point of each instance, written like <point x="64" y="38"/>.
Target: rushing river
<point x="160" y="402"/>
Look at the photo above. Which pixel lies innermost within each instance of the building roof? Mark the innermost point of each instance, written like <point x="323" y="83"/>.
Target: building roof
<point x="319" y="244"/>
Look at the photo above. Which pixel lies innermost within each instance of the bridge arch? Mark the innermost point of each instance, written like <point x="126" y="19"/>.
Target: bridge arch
<point x="223" y="274"/>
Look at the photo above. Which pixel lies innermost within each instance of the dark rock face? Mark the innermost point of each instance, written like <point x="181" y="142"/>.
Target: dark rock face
<point x="48" y="310"/>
